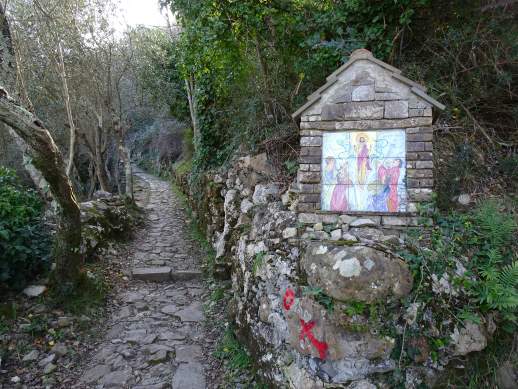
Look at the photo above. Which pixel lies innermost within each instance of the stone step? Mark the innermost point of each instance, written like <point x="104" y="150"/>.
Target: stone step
<point x="153" y="274"/>
<point x="186" y="275"/>
<point x="165" y="273"/>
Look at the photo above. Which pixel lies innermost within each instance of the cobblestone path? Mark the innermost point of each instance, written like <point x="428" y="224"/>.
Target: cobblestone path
<point x="155" y="336"/>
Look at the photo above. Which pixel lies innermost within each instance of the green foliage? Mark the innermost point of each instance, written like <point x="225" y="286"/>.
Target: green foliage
<point x="320" y="297"/>
<point x="252" y="63"/>
<point x="218" y="294"/>
<point x="24" y="241"/>
<point x="483" y="242"/>
<point x="233" y="353"/>
<point x="90" y="293"/>
<point x="355" y="308"/>
<point x="258" y="262"/>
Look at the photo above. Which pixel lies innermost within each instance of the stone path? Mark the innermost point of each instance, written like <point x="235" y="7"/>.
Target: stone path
<point x="155" y="336"/>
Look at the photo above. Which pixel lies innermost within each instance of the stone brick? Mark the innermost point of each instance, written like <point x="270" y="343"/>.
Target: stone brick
<point x="304" y="167"/>
<point x="415" y="146"/>
<point x="363" y="110"/>
<point x="309" y="159"/>
<point x="426" y="183"/>
<point x="306" y="207"/>
<point x="394" y="221"/>
<point x="310" y="218"/>
<point x="310" y="133"/>
<point x="311" y="151"/>
<point x="425" y="156"/>
<point x="396" y="109"/>
<point x="412" y="112"/>
<point x="309" y="198"/>
<point x="330" y="218"/>
<point x="363" y="93"/>
<point x="409" y="165"/>
<point x="424" y="165"/>
<point x="420" y="137"/>
<point x="309" y="177"/>
<point x="332" y="112"/>
<point x="428" y="146"/>
<point x="411" y="156"/>
<point x="311" y="141"/>
<point x="423" y="173"/>
<point x="413" y="183"/>
<point x="315" y="167"/>
<point x="370" y="221"/>
<point x="309" y="188"/>
<point x="383" y="96"/>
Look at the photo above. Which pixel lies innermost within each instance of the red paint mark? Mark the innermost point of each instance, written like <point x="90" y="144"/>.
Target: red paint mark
<point x="288" y="299"/>
<point x="306" y="331"/>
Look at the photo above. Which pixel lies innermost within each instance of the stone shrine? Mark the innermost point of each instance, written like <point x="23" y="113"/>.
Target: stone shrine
<point x="366" y="145"/>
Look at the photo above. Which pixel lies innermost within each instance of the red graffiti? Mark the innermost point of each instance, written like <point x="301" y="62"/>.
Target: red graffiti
<point x="306" y="331"/>
<point x="288" y="299"/>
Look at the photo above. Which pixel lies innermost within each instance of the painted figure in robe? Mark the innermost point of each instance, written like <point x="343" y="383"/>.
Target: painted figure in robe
<point x="330" y="171"/>
<point x="339" y="199"/>
<point x="362" y="160"/>
<point x="387" y="199"/>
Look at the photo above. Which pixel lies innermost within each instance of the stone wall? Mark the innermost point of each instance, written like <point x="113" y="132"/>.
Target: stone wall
<point x="283" y="264"/>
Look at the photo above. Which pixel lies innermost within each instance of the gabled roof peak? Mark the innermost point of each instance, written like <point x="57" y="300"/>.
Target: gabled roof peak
<point x="364" y="54"/>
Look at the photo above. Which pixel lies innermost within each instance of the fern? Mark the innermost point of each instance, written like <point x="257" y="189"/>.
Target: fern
<point x="497" y="227"/>
<point x="508" y="276"/>
<point x="497" y="289"/>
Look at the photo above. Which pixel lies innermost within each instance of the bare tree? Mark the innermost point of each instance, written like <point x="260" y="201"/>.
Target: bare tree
<point x="47" y="158"/>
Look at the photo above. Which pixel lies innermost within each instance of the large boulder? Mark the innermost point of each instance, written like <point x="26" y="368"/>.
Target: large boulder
<point x="356" y="273"/>
<point x="104" y="220"/>
<point x="313" y="331"/>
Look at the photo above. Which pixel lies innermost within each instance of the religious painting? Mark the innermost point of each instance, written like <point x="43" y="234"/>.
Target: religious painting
<point x="364" y="171"/>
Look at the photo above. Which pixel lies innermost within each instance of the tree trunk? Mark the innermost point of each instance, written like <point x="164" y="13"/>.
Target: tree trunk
<point x="191" y="97"/>
<point x="48" y="160"/>
<point x="124" y="154"/>
<point x="98" y="155"/>
<point x="66" y="98"/>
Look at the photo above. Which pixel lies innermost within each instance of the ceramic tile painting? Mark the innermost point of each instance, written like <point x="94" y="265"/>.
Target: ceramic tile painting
<point x="364" y="171"/>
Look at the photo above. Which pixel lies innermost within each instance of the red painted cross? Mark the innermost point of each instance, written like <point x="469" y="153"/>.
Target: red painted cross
<point x="306" y="331"/>
<point x="289" y="299"/>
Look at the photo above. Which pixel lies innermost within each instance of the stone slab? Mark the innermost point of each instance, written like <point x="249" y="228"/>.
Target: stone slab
<point x="193" y="313"/>
<point x="152" y="274"/>
<point x="186" y="275"/>
<point x="188" y="353"/>
<point x="189" y="376"/>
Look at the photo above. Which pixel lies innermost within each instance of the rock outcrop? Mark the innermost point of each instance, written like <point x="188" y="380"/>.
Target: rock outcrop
<point x="356" y="273"/>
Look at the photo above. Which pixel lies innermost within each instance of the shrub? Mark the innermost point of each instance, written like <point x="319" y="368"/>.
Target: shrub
<point x="24" y="242"/>
<point x="477" y="250"/>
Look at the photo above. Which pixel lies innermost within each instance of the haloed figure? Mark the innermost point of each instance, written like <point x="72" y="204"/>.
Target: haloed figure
<point x="362" y="160"/>
<point x="339" y="199"/>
